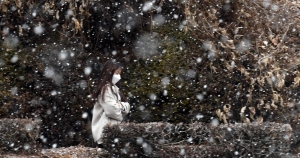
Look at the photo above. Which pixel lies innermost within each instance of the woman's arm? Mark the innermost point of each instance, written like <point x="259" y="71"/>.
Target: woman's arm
<point x="110" y="105"/>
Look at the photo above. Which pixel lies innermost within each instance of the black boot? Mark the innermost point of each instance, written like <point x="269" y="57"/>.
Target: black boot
<point x="100" y="146"/>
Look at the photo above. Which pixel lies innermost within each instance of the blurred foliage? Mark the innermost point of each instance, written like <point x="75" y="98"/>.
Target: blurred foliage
<point x="162" y="87"/>
<point x="44" y="86"/>
<point x="12" y="73"/>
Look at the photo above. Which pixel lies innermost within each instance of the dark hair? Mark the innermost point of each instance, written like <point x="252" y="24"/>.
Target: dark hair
<point x="105" y="78"/>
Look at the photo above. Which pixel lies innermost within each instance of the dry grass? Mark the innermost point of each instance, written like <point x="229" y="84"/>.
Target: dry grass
<point x="259" y="40"/>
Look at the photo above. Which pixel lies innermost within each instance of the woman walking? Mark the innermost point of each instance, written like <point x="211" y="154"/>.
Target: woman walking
<point x="110" y="106"/>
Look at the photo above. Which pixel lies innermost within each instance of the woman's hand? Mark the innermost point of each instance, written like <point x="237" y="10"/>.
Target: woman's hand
<point x="125" y="107"/>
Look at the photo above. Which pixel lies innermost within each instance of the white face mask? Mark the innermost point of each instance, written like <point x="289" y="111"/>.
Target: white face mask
<point x="116" y="78"/>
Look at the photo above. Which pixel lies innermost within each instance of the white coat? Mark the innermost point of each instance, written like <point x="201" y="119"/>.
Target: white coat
<point x="107" y="111"/>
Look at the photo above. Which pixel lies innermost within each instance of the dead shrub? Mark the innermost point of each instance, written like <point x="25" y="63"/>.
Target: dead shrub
<point x="162" y="139"/>
<point x="19" y="135"/>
